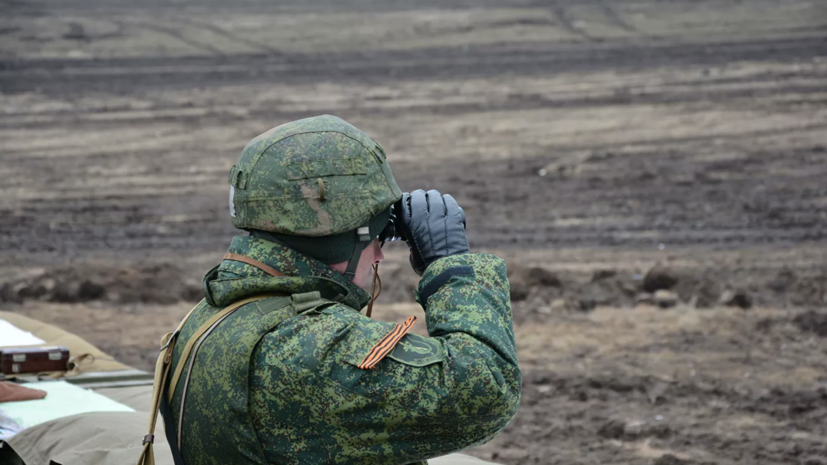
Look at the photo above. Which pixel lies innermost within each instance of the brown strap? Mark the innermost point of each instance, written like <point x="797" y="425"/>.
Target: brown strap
<point x="147" y="456"/>
<point x="189" y="373"/>
<point x="253" y="262"/>
<point x="374" y="294"/>
<point x="185" y="354"/>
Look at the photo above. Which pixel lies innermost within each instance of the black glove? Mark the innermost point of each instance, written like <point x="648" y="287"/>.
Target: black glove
<point x="434" y="226"/>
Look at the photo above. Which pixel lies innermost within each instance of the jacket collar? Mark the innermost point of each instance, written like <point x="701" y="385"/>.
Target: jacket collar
<point x="232" y="280"/>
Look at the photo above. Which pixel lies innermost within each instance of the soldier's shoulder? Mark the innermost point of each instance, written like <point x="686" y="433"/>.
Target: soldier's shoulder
<point x="358" y="322"/>
<point x="364" y="334"/>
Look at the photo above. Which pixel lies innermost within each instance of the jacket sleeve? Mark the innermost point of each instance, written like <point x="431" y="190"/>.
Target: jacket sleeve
<point x="472" y="391"/>
<point x="467" y="305"/>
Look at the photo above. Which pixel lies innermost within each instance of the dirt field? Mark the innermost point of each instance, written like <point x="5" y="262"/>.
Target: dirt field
<point x="587" y="141"/>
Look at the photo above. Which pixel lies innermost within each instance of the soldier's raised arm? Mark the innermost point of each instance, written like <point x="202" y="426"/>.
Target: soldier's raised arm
<point x="467" y="306"/>
<point x="460" y="386"/>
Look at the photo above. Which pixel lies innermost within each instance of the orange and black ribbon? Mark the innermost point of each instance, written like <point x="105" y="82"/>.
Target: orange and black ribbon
<point x="386" y="344"/>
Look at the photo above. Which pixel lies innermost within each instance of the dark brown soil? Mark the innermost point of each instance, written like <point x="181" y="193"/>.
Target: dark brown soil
<point x="607" y="150"/>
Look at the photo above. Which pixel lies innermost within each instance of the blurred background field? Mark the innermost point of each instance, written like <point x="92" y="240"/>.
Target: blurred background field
<point x="653" y="171"/>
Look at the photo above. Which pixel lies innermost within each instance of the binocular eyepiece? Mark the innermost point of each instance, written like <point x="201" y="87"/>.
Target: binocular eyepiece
<point x="393" y="230"/>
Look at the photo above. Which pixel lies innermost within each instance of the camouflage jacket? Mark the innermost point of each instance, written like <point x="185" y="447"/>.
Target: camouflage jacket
<point x="297" y="395"/>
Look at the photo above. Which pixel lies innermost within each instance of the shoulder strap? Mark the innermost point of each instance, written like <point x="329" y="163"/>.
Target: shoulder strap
<point x="162" y="366"/>
<point x="198" y="333"/>
<point x="147" y="456"/>
<point x="221" y="361"/>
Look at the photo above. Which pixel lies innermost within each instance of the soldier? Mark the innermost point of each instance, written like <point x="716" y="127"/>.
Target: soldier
<point x="278" y="365"/>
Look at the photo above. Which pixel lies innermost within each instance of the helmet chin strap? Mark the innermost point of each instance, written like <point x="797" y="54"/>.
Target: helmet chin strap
<point x="362" y="240"/>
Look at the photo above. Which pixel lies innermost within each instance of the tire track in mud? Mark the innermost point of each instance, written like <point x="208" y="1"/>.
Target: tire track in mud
<point x="174" y="34"/>
<point x="563" y="19"/>
<point x="615" y="17"/>
<point x="229" y="35"/>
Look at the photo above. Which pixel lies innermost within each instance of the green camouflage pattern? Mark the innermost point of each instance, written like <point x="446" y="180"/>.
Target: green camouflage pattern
<point x="222" y="426"/>
<point x="312" y="177"/>
<point x="232" y="281"/>
<point x="307" y="400"/>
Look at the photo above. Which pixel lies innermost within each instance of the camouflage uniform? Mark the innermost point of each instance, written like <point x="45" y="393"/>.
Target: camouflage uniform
<point x="278" y="381"/>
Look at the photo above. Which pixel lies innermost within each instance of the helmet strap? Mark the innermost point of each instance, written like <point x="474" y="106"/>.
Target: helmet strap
<point x="362" y="241"/>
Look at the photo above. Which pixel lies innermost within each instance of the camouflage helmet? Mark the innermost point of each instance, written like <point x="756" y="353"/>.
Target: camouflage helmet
<point x="314" y="177"/>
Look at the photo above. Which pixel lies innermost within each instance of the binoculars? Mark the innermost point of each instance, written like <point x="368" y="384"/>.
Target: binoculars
<point x="393" y="230"/>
